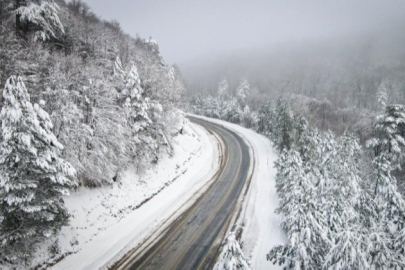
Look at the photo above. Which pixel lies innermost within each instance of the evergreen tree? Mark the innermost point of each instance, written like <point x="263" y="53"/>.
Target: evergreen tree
<point x="135" y="104"/>
<point x="231" y="257"/>
<point x="283" y="129"/>
<point x="382" y="96"/>
<point x="266" y="119"/>
<point x="232" y="111"/>
<point x="349" y="251"/>
<point x="246" y="117"/>
<point x="223" y="89"/>
<point x="243" y="92"/>
<point x="302" y="216"/>
<point x="33" y="178"/>
<point x="388" y="133"/>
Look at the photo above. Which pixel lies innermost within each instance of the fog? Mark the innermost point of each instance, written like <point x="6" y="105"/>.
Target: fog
<point x="267" y="41"/>
<point x="188" y="30"/>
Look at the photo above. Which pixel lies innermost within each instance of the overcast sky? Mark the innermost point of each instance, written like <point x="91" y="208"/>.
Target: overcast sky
<point x="188" y="29"/>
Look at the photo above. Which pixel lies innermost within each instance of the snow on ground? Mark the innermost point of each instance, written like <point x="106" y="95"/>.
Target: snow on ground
<point x="109" y="221"/>
<point x="261" y="226"/>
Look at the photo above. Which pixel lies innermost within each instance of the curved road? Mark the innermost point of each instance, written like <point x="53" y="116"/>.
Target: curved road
<point x="192" y="241"/>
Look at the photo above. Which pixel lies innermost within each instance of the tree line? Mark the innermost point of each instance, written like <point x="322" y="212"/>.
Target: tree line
<point x="340" y="203"/>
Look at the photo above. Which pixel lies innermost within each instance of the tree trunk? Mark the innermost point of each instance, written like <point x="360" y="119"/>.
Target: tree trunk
<point x="20" y="28"/>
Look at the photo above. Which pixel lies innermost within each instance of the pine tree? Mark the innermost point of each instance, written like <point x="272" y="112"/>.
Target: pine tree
<point x="33" y="178"/>
<point x="283" y="134"/>
<point x="223" y="89"/>
<point x="266" y="119"/>
<point x="302" y="216"/>
<point x="341" y="196"/>
<point x="388" y="134"/>
<point x="175" y="86"/>
<point x="243" y="92"/>
<point x="136" y="106"/>
<point x="389" y="220"/>
<point x="349" y="251"/>
<point x="246" y="117"/>
<point x="382" y="96"/>
<point x="232" y="111"/>
<point x="232" y="257"/>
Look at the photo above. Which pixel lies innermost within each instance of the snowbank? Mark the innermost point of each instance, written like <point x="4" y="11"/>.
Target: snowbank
<point x="258" y="224"/>
<point x="109" y="221"/>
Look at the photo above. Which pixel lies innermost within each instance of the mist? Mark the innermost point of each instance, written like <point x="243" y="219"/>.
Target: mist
<point x="264" y="41"/>
<point x="191" y="30"/>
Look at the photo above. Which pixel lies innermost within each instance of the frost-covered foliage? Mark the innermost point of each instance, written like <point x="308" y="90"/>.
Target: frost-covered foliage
<point x="334" y="217"/>
<point x="382" y="95"/>
<point x="111" y="98"/>
<point x="339" y="209"/>
<point x="223" y="89"/>
<point x="226" y="106"/>
<point x="388" y="128"/>
<point x="33" y="177"/>
<point x="44" y="16"/>
<point x="243" y="92"/>
<point x="231" y="257"/>
<point x="176" y="86"/>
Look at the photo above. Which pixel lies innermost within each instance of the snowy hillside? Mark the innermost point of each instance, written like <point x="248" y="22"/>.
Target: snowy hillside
<point x="109" y="220"/>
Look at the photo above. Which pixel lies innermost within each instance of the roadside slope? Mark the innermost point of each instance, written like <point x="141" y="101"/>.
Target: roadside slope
<point x="110" y="221"/>
<point x="257" y="225"/>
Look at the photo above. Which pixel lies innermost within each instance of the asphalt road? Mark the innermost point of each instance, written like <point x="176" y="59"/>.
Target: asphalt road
<point x="192" y="241"/>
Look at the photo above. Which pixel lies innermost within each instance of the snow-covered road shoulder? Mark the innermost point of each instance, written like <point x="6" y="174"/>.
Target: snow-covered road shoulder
<point x="257" y="222"/>
<point x="109" y="221"/>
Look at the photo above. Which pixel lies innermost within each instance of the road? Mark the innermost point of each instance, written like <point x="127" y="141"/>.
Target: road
<point x="192" y="241"/>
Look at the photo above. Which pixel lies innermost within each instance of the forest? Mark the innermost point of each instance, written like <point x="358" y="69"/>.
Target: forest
<point x="82" y="100"/>
<point x="341" y="200"/>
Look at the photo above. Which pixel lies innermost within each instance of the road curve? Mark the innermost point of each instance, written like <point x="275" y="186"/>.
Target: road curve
<point x="192" y="241"/>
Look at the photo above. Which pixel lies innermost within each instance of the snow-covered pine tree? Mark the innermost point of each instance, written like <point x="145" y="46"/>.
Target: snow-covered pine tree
<point x="341" y="196"/>
<point x="33" y="178"/>
<point x="266" y="119"/>
<point x="223" y="89"/>
<point x="231" y="257"/>
<point x="212" y="107"/>
<point x="349" y="250"/>
<point x="389" y="219"/>
<point x="119" y="69"/>
<point x="175" y="87"/>
<point x="302" y="216"/>
<point x="243" y="92"/>
<point x="387" y="133"/>
<point x="246" y="117"/>
<point x="283" y="134"/>
<point x="232" y="111"/>
<point x="382" y="96"/>
<point x="135" y="104"/>
<point x="44" y="15"/>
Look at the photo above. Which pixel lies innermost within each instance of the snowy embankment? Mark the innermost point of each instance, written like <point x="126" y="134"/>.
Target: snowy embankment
<point x="256" y="220"/>
<point x="109" y="221"/>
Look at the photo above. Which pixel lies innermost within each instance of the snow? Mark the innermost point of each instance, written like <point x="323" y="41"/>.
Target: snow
<point x="109" y="221"/>
<point x="260" y="224"/>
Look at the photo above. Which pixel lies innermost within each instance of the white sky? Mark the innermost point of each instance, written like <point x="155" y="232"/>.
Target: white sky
<point x="188" y="29"/>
